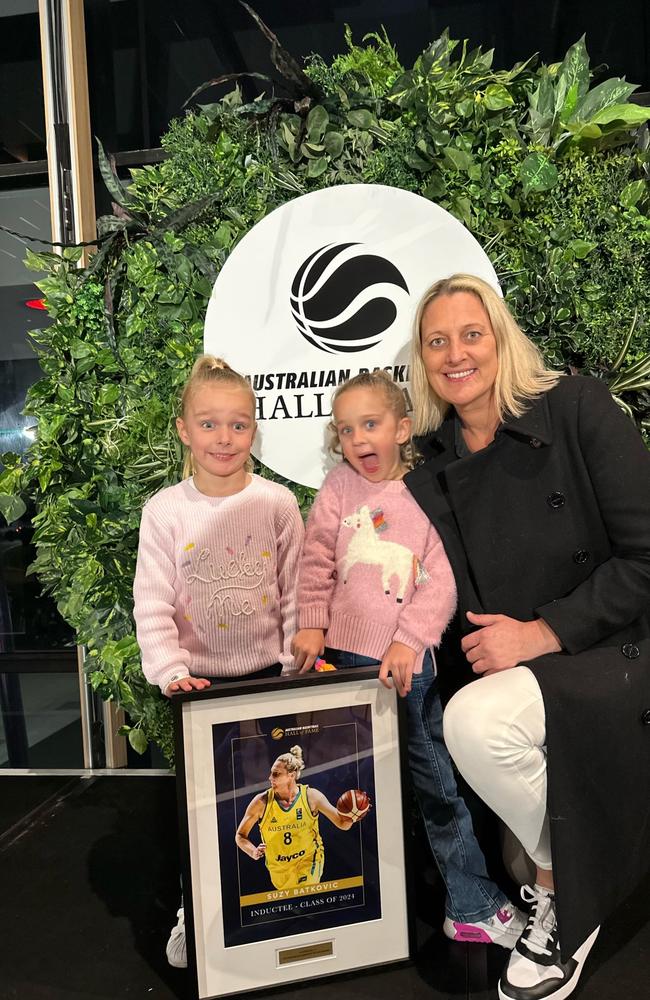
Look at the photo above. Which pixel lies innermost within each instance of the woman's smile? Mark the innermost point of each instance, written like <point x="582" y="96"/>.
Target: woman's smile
<point x="460" y="375"/>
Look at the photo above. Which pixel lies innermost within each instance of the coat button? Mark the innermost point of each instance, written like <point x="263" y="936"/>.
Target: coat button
<point x="580" y="556"/>
<point x="535" y="443"/>
<point x="630" y="651"/>
<point x="645" y="717"/>
<point x="556" y="500"/>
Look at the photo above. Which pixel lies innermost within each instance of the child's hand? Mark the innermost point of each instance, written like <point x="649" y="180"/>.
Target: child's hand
<point x="307" y="645"/>
<point x="398" y="661"/>
<point x="186" y="684"/>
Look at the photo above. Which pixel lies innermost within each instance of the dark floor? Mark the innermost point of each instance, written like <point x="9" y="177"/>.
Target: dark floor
<point x="89" y="886"/>
<point x="19" y="797"/>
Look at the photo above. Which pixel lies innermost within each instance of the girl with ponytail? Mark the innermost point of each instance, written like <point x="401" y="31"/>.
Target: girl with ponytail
<point x="218" y="556"/>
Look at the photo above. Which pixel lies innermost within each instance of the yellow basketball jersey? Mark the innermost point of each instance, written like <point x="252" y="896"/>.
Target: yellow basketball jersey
<point x="294" y="847"/>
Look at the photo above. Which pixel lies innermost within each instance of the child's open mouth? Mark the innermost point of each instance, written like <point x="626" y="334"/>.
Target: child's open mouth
<point x="369" y="462"/>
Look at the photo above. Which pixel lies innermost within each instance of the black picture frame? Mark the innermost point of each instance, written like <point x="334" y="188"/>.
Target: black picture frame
<point x="359" y="914"/>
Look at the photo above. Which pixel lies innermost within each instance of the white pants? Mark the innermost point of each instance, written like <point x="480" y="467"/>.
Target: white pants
<point x="495" y="729"/>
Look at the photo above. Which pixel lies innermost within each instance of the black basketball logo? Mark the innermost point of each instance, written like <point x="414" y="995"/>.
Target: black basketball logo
<point x="335" y="302"/>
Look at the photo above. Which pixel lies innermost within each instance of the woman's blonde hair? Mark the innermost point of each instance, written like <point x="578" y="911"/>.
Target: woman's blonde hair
<point x="293" y="761"/>
<point x="395" y="400"/>
<point x="521" y="372"/>
<point x="207" y="369"/>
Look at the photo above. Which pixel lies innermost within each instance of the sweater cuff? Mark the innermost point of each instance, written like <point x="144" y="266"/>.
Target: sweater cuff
<point x="313" y="616"/>
<point x="173" y="674"/>
<point x="401" y="635"/>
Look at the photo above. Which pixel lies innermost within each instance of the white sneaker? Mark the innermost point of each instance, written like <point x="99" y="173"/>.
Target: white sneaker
<point x="535" y="970"/>
<point x="176" y="949"/>
<point x="504" y="927"/>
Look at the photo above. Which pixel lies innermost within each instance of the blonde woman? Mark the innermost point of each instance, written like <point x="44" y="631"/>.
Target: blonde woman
<point x="287" y="814"/>
<point x="538" y="485"/>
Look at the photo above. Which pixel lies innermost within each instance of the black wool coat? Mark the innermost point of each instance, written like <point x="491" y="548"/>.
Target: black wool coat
<point x="552" y="520"/>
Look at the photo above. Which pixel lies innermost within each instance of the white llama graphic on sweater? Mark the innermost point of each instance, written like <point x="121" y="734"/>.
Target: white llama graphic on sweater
<point x="368" y="549"/>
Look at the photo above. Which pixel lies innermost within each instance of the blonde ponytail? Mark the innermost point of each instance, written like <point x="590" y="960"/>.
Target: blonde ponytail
<point x="293" y="761"/>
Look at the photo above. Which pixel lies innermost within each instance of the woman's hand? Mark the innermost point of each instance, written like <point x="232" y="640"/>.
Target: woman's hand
<point x="398" y="661"/>
<point x="186" y="684"/>
<point x="500" y="642"/>
<point x="307" y="645"/>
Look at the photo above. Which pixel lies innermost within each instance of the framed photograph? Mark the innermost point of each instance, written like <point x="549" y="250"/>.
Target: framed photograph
<point x="291" y="875"/>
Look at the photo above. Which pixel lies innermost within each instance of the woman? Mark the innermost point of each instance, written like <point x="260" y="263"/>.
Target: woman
<point x="287" y="814"/>
<point x="540" y="486"/>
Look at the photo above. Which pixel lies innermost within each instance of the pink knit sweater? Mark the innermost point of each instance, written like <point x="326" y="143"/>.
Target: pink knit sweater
<point x="373" y="569"/>
<point x="215" y="581"/>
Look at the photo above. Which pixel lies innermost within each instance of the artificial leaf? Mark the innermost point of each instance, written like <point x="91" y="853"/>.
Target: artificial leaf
<point x="333" y="143"/>
<point x="417" y="161"/>
<point x="11" y="507"/>
<point x="542" y="100"/>
<point x="317" y="167"/>
<point x="632" y="193"/>
<point x="284" y="62"/>
<point x="497" y="97"/>
<point x="584" y="130"/>
<point x="435" y="187"/>
<point x="310" y="150"/>
<point x="361" y="118"/>
<point x="189" y="213"/>
<point x="224" y="78"/>
<point x="465" y="107"/>
<point x="113" y="184"/>
<point x="572" y="77"/>
<point x="458" y="158"/>
<point x="605" y="94"/>
<point x="631" y="114"/>
<point x="438" y="52"/>
<point x="537" y="173"/>
<point x="581" y="248"/>
<point x="569" y="103"/>
<point x="317" y="121"/>
<point x="402" y="91"/>
<point x="540" y="126"/>
<point x="462" y="209"/>
<point x="138" y="740"/>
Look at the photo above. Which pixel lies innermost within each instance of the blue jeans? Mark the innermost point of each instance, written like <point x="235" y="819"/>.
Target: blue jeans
<point x="471" y="894"/>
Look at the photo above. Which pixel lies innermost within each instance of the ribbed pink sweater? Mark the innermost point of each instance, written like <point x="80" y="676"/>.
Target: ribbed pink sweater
<point x="215" y="581"/>
<point x="373" y="569"/>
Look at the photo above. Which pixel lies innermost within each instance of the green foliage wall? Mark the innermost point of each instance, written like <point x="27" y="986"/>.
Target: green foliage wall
<point x="547" y="170"/>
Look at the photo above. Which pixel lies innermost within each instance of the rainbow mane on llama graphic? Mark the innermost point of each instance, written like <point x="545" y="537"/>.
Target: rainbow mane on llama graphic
<point x="378" y="520"/>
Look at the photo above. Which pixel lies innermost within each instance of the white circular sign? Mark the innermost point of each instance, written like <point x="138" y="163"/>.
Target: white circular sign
<point x="322" y="288"/>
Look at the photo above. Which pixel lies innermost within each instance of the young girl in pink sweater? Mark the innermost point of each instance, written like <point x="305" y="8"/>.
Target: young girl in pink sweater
<point x="376" y="588"/>
<point x="218" y="557"/>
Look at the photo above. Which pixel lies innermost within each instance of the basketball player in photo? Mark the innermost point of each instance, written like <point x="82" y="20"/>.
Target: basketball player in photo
<point x="287" y="814"/>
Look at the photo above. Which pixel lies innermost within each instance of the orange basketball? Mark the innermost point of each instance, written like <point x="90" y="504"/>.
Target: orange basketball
<point x="354" y="804"/>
